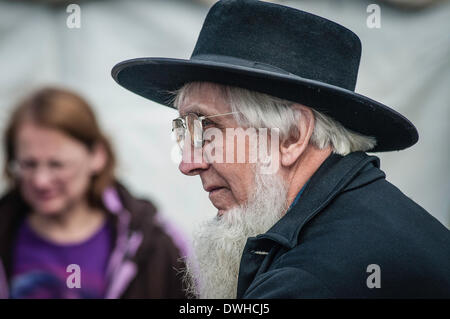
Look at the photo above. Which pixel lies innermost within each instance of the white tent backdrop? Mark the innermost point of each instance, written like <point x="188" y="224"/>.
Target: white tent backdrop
<point x="405" y="64"/>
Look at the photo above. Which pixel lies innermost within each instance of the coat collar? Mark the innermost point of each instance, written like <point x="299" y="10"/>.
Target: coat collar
<point x="336" y="174"/>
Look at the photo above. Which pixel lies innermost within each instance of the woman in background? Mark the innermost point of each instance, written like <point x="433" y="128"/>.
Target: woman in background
<point x="68" y="229"/>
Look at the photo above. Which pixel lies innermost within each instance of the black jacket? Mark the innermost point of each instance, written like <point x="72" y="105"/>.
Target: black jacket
<point x="347" y="218"/>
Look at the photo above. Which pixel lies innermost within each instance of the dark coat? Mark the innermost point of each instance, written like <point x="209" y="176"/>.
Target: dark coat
<point x="347" y="218"/>
<point x="144" y="263"/>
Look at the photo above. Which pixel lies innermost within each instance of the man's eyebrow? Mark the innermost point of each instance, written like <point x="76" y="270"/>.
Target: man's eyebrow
<point x="194" y="109"/>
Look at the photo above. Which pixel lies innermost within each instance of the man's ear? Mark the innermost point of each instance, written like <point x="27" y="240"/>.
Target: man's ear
<point x="99" y="158"/>
<point x="294" y="146"/>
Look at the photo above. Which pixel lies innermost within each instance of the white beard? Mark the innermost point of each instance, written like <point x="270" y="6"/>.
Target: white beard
<point x="212" y="269"/>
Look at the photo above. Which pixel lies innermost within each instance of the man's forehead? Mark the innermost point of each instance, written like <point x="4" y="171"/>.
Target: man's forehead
<point x="204" y="98"/>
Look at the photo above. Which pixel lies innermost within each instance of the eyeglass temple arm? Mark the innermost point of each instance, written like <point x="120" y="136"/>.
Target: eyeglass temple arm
<point x="207" y="117"/>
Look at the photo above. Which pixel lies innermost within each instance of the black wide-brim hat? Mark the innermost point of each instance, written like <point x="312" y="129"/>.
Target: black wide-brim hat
<point x="280" y="51"/>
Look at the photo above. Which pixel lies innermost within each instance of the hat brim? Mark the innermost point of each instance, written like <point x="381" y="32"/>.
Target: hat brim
<point x="157" y="78"/>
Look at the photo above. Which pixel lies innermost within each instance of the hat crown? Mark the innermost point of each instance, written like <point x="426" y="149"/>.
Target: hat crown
<point x="281" y="39"/>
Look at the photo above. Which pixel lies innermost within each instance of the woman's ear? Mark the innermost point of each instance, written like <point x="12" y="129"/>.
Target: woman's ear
<point x="294" y="146"/>
<point x="99" y="158"/>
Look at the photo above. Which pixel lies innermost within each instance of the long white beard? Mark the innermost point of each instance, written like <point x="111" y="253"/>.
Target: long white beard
<point x="212" y="269"/>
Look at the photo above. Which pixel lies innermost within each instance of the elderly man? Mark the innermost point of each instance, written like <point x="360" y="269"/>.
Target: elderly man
<point x="324" y="223"/>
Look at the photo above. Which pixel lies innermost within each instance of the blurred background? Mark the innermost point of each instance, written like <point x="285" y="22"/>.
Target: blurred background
<point x="405" y="64"/>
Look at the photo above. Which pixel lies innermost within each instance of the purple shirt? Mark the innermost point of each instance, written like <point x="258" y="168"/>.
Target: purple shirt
<point x="40" y="266"/>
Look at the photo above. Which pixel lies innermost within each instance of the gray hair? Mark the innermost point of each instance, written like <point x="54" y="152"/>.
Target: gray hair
<point x="261" y="110"/>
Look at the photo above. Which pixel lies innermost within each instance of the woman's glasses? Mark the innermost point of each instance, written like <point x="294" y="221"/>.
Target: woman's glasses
<point x="25" y="169"/>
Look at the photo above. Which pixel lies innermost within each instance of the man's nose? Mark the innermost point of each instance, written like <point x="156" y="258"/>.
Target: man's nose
<point x="193" y="161"/>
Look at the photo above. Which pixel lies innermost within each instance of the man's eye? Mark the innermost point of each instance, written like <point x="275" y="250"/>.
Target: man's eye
<point x="207" y="123"/>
